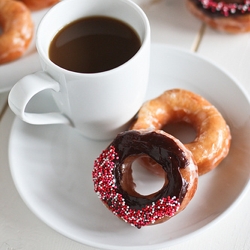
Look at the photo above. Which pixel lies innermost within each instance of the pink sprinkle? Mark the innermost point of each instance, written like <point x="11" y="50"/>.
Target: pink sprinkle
<point x="105" y="187"/>
<point x="225" y="8"/>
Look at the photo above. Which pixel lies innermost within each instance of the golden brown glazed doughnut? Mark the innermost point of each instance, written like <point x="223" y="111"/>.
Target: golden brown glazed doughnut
<point x="232" y="16"/>
<point x="213" y="137"/>
<point x="17" y="30"/>
<point x="39" y="4"/>
<point x="113" y="180"/>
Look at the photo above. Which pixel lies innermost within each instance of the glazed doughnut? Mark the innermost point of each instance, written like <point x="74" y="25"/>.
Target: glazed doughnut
<point x="213" y="137"/>
<point x="39" y="4"/>
<point x="17" y="30"/>
<point x="232" y="16"/>
<point x="113" y="180"/>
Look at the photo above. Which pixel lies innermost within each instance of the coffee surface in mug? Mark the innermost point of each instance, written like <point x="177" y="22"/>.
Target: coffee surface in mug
<point x="94" y="44"/>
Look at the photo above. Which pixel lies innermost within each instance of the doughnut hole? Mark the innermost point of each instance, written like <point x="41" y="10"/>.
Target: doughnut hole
<point x="183" y="131"/>
<point x="141" y="179"/>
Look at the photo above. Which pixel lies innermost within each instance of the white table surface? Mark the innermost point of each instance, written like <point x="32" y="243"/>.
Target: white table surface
<point x="171" y="24"/>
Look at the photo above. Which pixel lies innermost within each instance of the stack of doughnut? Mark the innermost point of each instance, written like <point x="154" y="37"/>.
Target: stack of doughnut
<point x="16" y="26"/>
<point x="161" y="153"/>
<point x="232" y="16"/>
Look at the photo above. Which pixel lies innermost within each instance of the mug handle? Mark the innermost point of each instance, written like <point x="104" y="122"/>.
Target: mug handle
<point x="25" y="89"/>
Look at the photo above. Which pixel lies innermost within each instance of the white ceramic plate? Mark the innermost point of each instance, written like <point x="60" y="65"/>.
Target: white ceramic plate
<point x="11" y="72"/>
<point x="52" y="165"/>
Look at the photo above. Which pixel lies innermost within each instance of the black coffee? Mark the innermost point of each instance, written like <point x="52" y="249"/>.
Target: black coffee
<point x="94" y="44"/>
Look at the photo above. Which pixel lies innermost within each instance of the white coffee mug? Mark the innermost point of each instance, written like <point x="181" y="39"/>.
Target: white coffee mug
<point x="99" y="105"/>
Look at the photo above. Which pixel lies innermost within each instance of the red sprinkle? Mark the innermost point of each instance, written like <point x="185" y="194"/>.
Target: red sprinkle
<point x="226" y="8"/>
<point x="105" y="187"/>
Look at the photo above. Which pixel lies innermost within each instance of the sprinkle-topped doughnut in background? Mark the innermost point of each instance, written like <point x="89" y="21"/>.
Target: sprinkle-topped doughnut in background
<point x="232" y="16"/>
<point x="224" y="8"/>
<point x="113" y="181"/>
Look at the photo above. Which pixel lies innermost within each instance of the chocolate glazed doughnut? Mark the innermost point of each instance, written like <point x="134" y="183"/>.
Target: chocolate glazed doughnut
<point x="113" y="181"/>
<point x="232" y="16"/>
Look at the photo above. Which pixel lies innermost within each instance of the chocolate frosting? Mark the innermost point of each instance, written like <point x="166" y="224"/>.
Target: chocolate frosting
<point x="161" y="149"/>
